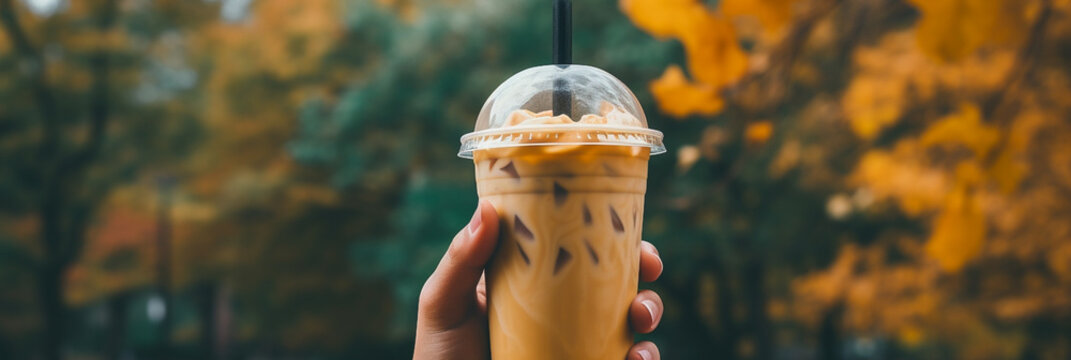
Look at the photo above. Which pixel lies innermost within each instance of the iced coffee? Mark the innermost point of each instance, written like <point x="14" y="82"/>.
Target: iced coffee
<point x="569" y="190"/>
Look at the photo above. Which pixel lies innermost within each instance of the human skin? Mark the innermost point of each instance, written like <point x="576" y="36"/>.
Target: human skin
<point x="452" y="315"/>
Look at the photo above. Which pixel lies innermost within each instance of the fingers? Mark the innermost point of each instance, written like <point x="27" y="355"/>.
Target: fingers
<point x="481" y="293"/>
<point x="645" y="312"/>
<point x="650" y="262"/>
<point x="645" y="350"/>
<point x="449" y="295"/>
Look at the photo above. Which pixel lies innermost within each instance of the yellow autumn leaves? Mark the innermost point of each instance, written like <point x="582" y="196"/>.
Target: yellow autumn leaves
<point x="715" y="58"/>
<point x="959" y="231"/>
<point x="942" y="55"/>
<point x="895" y="73"/>
<point x="963" y="128"/>
<point x="949" y="30"/>
<point x="919" y="185"/>
<point x="907" y="68"/>
<point x="305" y="31"/>
<point x="679" y="97"/>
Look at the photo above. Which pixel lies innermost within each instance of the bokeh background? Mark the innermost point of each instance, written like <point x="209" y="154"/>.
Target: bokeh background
<point x="274" y="179"/>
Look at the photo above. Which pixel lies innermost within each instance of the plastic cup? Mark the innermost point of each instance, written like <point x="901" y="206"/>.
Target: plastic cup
<point x="561" y="152"/>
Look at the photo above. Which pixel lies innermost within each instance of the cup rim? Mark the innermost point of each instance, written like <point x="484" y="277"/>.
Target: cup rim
<point x="549" y="135"/>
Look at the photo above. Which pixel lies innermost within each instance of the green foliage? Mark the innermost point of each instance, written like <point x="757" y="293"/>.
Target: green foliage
<point x="426" y="81"/>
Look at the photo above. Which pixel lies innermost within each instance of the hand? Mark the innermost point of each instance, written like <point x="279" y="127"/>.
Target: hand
<point x="452" y="316"/>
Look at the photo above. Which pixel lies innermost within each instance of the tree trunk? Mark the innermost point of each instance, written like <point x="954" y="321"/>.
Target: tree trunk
<point x="754" y="286"/>
<point x="829" y="337"/>
<point x="117" y="306"/>
<point x="53" y="266"/>
<point x="695" y="339"/>
<point x="50" y="284"/>
<point x="62" y="228"/>
<point x="207" y="295"/>
<point x="728" y="334"/>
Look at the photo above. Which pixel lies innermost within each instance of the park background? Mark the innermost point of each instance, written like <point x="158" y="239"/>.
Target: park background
<point x="274" y="179"/>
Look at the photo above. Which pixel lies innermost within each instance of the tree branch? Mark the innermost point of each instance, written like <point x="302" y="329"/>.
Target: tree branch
<point x="49" y="147"/>
<point x="790" y="49"/>
<point x="1025" y="63"/>
<point x="99" y="104"/>
<point x="767" y="90"/>
<point x="14" y="29"/>
<point x="772" y="84"/>
<point x="39" y="82"/>
<point x="999" y="107"/>
<point x="853" y="18"/>
<point x="74" y="165"/>
<point x="75" y="237"/>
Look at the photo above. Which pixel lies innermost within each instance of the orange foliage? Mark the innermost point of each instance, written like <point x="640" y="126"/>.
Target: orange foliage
<point x="679" y="97"/>
<point x="121" y="228"/>
<point x="119" y="250"/>
<point x="715" y="59"/>
<point x="903" y="175"/>
<point x="713" y="55"/>
<point x="663" y="18"/>
<point x="949" y="30"/>
<point x="772" y="15"/>
<point x="896" y="73"/>
<point x="758" y="132"/>
<point x="284" y="37"/>
<point x="983" y="182"/>
<point x="959" y="231"/>
<point x="965" y="129"/>
<point x="283" y="41"/>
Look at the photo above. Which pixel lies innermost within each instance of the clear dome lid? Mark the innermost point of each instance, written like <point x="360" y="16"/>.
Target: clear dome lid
<point x="561" y="105"/>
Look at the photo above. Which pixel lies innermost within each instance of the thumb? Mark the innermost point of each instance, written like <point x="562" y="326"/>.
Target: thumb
<point x="449" y="296"/>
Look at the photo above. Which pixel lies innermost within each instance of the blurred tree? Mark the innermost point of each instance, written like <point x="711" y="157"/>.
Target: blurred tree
<point x="952" y="177"/>
<point x="56" y="163"/>
<point x="975" y="177"/>
<point x="72" y="133"/>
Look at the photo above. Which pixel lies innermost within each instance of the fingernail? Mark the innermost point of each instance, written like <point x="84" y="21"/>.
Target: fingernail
<point x="651" y="247"/>
<point x="654" y="250"/>
<point x="644" y="354"/>
<point x="651" y="306"/>
<point x="476" y="222"/>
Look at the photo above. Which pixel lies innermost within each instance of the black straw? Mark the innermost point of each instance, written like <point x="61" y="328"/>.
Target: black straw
<point x="563" y="54"/>
<point x="563" y="32"/>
